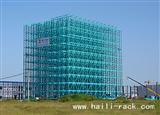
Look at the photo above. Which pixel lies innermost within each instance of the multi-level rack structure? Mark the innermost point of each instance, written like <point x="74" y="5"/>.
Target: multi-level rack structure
<point x="69" y="55"/>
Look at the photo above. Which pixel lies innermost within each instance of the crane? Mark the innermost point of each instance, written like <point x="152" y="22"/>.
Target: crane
<point x="149" y="89"/>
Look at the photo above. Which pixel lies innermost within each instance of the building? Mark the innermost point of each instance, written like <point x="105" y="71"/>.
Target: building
<point x="140" y="91"/>
<point x="70" y="55"/>
<point x="143" y="92"/>
<point x="130" y="91"/>
<point x="11" y="90"/>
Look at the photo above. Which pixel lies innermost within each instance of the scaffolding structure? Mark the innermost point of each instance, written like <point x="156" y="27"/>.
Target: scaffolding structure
<point x="70" y="55"/>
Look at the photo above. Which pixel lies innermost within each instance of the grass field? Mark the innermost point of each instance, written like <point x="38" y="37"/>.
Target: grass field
<point x="97" y="107"/>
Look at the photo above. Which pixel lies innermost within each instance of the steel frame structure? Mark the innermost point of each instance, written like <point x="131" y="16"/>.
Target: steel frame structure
<point x="69" y="55"/>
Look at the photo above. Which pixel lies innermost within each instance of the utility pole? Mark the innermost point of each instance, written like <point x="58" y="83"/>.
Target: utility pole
<point x="28" y="87"/>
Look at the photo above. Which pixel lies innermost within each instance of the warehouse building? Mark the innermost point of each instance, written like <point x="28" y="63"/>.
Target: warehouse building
<point x="11" y="90"/>
<point x="72" y="55"/>
<point x="143" y="92"/>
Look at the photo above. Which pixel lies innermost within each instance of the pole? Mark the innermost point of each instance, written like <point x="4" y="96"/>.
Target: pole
<point x="123" y="91"/>
<point x="146" y="91"/>
<point x="130" y="93"/>
<point x="28" y="87"/>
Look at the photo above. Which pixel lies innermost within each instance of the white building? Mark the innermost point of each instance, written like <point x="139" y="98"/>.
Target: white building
<point x="11" y="90"/>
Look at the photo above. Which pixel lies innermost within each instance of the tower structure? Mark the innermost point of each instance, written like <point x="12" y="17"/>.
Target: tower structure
<point x="70" y="55"/>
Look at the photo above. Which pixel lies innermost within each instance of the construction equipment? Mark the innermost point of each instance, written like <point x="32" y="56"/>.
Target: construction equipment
<point x="149" y="89"/>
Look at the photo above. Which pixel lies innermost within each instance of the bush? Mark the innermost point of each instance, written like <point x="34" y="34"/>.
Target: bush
<point x="77" y="97"/>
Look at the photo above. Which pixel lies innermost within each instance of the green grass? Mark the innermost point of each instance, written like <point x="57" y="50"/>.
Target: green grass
<point x="46" y="107"/>
<point x="77" y="97"/>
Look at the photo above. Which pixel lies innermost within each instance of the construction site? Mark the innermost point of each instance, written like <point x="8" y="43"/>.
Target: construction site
<point x="79" y="57"/>
<point x="73" y="55"/>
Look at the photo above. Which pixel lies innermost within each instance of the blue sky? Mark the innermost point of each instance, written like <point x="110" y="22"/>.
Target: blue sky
<point x="138" y="20"/>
